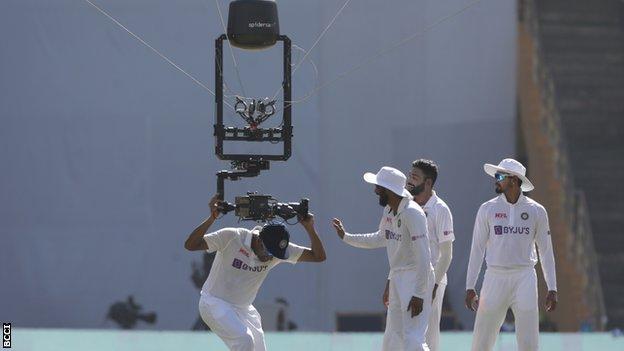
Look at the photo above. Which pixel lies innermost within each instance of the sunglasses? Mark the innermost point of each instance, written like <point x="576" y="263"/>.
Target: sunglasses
<point x="501" y="176"/>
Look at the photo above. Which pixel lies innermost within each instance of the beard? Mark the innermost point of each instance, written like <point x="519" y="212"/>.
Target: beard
<point x="498" y="189"/>
<point x="416" y="190"/>
<point x="383" y="200"/>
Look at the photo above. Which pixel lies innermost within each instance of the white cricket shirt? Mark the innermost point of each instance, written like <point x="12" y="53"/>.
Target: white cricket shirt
<point x="439" y="225"/>
<point x="406" y="240"/>
<point x="236" y="273"/>
<point x="507" y="233"/>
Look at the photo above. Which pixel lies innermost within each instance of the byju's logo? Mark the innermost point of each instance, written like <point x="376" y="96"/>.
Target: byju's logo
<point x="392" y="236"/>
<point x="500" y="230"/>
<point x="238" y="264"/>
<point x="416" y="237"/>
<point x="6" y="335"/>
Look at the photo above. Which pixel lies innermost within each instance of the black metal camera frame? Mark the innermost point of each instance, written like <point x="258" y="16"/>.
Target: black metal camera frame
<point x="280" y="134"/>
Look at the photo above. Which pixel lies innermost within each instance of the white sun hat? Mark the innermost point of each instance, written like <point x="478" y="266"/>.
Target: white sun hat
<point x="389" y="178"/>
<point x="513" y="167"/>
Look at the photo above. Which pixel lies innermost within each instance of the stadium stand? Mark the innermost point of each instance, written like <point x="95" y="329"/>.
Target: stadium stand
<point x="573" y="51"/>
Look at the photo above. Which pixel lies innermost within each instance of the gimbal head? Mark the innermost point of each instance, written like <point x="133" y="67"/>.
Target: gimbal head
<point x="255" y="111"/>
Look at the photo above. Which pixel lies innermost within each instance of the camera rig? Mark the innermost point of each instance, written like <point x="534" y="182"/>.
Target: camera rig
<point x="244" y="32"/>
<point x="255" y="206"/>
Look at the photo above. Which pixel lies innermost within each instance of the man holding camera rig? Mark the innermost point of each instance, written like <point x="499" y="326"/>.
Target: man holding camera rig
<point x="244" y="258"/>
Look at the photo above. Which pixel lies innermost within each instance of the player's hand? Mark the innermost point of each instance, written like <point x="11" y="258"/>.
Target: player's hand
<point x="472" y="300"/>
<point x="339" y="227"/>
<point x="385" y="298"/>
<point x="214" y="206"/>
<point x="416" y="305"/>
<point x="551" y="301"/>
<point x="308" y="221"/>
<point x="435" y="288"/>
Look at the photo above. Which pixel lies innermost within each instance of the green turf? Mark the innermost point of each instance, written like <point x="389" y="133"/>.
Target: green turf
<point x="100" y="340"/>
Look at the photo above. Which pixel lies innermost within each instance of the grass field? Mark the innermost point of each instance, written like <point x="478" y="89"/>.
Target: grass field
<point x="100" y="340"/>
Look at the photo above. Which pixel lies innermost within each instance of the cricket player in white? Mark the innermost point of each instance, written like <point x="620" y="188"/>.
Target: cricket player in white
<point x="420" y="184"/>
<point x="506" y="231"/>
<point x="403" y="231"/>
<point x="244" y="258"/>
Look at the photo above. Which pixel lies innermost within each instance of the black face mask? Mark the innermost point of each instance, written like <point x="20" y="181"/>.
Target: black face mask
<point x="383" y="200"/>
<point x="416" y="190"/>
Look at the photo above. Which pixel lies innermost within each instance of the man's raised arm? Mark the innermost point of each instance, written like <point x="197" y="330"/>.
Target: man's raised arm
<point x="195" y="240"/>
<point x="316" y="252"/>
<point x="364" y="241"/>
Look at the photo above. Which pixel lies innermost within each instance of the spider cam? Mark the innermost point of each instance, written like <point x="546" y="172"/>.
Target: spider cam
<point x="253" y="24"/>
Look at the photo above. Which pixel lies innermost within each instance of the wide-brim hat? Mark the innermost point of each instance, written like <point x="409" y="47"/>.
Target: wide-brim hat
<point x="513" y="167"/>
<point x="389" y="178"/>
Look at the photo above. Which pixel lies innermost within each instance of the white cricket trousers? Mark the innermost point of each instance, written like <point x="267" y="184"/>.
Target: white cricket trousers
<point x="433" y="330"/>
<point x="502" y="289"/>
<point x="240" y="328"/>
<point x="404" y="333"/>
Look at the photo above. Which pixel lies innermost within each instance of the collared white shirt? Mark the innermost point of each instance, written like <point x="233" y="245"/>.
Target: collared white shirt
<point x="439" y="225"/>
<point x="237" y="273"/>
<point x="507" y="233"/>
<point x="406" y="240"/>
